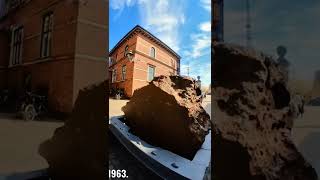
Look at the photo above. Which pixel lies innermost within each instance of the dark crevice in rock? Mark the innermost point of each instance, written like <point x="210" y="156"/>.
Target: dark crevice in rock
<point x="281" y="96"/>
<point x="230" y="106"/>
<point x="278" y="125"/>
<point x="233" y="166"/>
<point x="267" y="82"/>
<point x="234" y="69"/>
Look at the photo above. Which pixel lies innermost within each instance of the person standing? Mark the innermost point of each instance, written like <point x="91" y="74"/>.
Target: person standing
<point x="283" y="63"/>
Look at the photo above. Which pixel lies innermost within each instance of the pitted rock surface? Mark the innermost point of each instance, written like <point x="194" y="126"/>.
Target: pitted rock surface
<point x="168" y="113"/>
<point x="253" y="118"/>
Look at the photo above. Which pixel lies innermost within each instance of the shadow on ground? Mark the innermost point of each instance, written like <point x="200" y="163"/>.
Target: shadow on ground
<point x="120" y="158"/>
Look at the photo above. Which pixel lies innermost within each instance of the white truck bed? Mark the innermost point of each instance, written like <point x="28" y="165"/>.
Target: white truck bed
<point x="164" y="163"/>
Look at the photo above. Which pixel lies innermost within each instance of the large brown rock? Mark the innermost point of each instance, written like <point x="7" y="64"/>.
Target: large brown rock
<point x="78" y="150"/>
<point x="168" y="113"/>
<point x="253" y="119"/>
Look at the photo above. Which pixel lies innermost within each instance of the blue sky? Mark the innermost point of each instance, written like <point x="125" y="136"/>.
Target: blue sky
<point x="184" y="25"/>
<point x="293" y="24"/>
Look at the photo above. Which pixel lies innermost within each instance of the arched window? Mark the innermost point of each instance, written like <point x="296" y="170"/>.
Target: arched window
<point x="126" y="50"/>
<point x="153" y="52"/>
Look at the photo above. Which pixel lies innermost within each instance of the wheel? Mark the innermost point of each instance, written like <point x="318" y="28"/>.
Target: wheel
<point x="19" y="109"/>
<point x="29" y="112"/>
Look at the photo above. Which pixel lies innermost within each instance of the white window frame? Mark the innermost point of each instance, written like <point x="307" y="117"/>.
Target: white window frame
<point x="110" y="61"/>
<point x="154" y="72"/>
<point x="114" y="76"/>
<point x="123" y="72"/>
<point x="151" y="52"/>
<point x="13" y="60"/>
<point x="44" y="53"/>
<point x="126" y="49"/>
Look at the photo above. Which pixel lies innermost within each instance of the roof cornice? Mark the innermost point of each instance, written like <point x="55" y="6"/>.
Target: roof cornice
<point x="144" y="32"/>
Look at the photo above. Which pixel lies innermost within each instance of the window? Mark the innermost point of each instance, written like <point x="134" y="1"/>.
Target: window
<point x="114" y="75"/>
<point x="46" y="35"/>
<point x="14" y="3"/>
<point x="172" y="63"/>
<point x="151" y="72"/>
<point x="124" y="69"/>
<point x="116" y="58"/>
<point x="153" y="52"/>
<point x="126" y="50"/>
<point x="16" y="46"/>
<point x="110" y="61"/>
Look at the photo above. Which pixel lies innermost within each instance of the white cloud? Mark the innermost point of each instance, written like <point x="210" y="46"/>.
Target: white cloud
<point x="198" y="69"/>
<point x="200" y="45"/>
<point x="163" y="18"/>
<point x="206" y="4"/>
<point x="206" y="26"/>
<point x="184" y="69"/>
<point x="121" y="4"/>
<point x="200" y="42"/>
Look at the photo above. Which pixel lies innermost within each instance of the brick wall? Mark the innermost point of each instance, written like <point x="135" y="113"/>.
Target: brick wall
<point x="56" y="72"/>
<point x="164" y="62"/>
<point x="120" y="59"/>
<point x="144" y="45"/>
<point x="90" y="65"/>
<point x="127" y="83"/>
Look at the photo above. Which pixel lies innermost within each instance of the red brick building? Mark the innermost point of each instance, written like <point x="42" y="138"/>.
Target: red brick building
<point x="58" y="45"/>
<point x="151" y="57"/>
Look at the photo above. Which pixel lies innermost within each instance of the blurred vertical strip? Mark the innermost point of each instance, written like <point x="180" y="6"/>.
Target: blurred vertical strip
<point x="2" y="8"/>
<point x="217" y="20"/>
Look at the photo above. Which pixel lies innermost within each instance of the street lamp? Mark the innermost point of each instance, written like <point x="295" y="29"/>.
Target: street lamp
<point x="130" y="55"/>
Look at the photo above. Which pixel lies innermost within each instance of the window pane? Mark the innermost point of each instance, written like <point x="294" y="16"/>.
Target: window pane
<point x="44" y="44"/>
<point x="46" y="24"/>
<point x="51" y="22"/>
<point x="152" y="52"/>
<point x="114" y="76"/>
<point x="46" y="35"/>
<point x="16" y="48"/>
<point x="123" y="72"/>
<point x="150" y="73"/>
<point x="15" y="37"/>
<point x="49" y="45"/>
<point x="126" y="50"/>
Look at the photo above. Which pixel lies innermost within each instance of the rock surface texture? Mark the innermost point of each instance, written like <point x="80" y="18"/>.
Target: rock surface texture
<point x="168" y="113"/>
<point x="78" y="150"/>
<point x="253" y="119"/>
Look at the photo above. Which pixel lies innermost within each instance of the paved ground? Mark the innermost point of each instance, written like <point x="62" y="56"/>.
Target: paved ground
<point x="115" y="107"/>
<point x="20" y="141"/>
<point x="306" y="135"/>
<point x="120" y="158"/>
